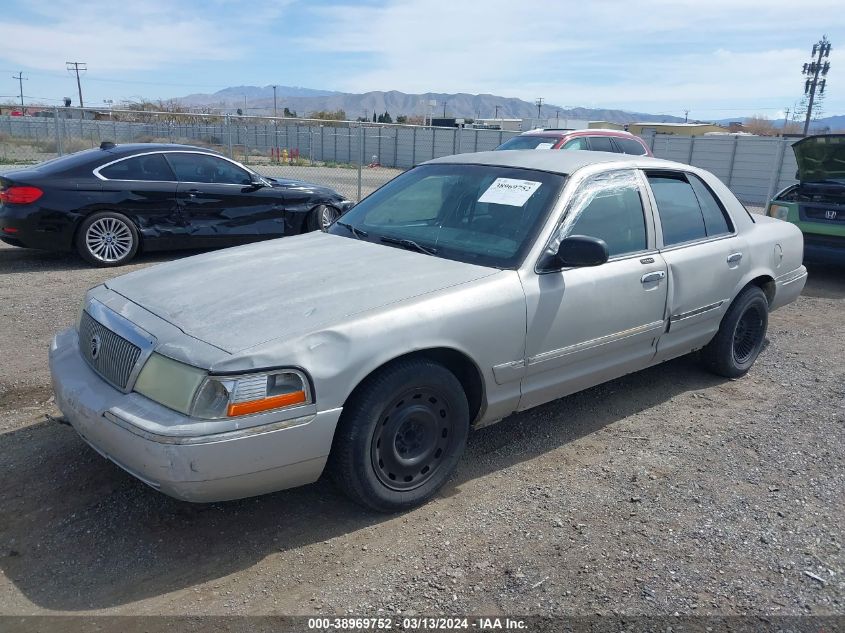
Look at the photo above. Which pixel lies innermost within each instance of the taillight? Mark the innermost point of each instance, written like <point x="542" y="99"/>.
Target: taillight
<point x="20" y="195"/>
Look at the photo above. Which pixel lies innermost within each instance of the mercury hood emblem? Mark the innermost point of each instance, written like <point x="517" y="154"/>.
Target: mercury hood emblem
<point x="96" y="343"/>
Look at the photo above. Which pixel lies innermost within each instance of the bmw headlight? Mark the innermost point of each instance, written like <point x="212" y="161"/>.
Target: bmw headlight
<point x="231" y="396"/>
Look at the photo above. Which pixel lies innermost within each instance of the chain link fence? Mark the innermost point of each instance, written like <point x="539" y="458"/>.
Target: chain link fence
<point x="354" y="158"/>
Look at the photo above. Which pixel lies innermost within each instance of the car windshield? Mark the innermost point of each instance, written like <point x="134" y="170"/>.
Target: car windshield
<point x="477" y="214"/>
<point x="529" y="142"/>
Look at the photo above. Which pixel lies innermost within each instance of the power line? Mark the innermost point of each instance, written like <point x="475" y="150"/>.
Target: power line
<point x="77" y="66"/>
<point x="813" y="70"/>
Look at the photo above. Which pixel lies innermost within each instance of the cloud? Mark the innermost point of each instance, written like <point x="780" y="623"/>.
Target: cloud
<point x="118" y="35"/>
<point x="603" y="52"/>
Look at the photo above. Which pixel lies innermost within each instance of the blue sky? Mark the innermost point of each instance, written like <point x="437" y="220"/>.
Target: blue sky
<point x="720" y="58"/>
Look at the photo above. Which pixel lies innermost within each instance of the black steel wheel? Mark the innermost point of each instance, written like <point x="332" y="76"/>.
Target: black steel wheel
<point x="414" y="433"/>
<point x="401" y="435"/>
<point x="741" y="335"/>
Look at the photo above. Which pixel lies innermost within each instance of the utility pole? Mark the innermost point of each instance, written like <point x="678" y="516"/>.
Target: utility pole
<point x="21" y="79"/>
<point x="785" y="119"/>
<point x="539" y="103"/>
<point x="77" y="66"/>
<point x="812" y="70"/>
<point x="497" y="113"/>
<point x="274" y="101"/>
<point x="444" y="109"/>
<point x="686" y="116"/>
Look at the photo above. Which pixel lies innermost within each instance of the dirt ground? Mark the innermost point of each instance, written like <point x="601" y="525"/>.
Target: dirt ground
<point x="667" y="491"/>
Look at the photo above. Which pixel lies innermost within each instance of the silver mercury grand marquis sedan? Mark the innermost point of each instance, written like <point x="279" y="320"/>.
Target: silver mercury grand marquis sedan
<point x="466" y="289"/>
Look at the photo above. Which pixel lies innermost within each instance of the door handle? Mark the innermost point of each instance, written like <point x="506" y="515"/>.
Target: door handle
<point x="192" y="193"/>
<point x="734" y="258"/>
<point x="657" y="275"/>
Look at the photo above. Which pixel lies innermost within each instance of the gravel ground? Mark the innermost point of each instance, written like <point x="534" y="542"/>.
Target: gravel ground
<point x="666" y="491"/>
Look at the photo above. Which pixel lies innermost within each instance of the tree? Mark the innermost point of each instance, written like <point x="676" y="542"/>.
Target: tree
<point x="290" y="113"/>
<point x="386" y="117"/>
<point x="337" y="115"/>
<point x="760" y="125"/>
<point x="401" y="119"/>
<point x="374" y="116"/>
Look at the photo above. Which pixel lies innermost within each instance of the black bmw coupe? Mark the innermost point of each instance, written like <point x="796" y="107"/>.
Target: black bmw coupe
<point x="108" y="203"/>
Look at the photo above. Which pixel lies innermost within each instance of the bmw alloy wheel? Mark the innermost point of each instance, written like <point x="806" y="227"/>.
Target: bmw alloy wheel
<point x="109" y="240"/>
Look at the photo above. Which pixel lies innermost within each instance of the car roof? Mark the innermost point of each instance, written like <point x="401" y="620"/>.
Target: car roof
<point x="132" y="148"/>
<point x="581" y="132"/>
<point x="556" y="162"/>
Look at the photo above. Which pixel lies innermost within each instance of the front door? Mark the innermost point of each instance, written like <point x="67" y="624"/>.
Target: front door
<point x="589" y="325"/>
<point x="219" y="201"/>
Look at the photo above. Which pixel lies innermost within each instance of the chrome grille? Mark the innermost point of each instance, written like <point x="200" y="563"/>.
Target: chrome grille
<point x="110" y="355"/>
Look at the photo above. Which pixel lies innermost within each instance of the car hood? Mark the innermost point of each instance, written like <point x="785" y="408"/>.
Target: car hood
<point x="309" y="187"/>
<point x="821" y="158"/>
<point x="238" y="298"/>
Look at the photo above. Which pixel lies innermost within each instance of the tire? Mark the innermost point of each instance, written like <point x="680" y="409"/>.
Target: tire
<point x="107" y="239"/>
<point x="400" y="436"/>
<point x="741" y="335"/>
<point x="321" y="217"/>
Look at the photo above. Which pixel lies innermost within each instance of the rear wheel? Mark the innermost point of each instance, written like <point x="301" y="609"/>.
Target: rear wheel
<point x="401" y="436"/>
<point x="107" y="239"/>
<point x="741" y="335"/>
<point x="321" y="217"/>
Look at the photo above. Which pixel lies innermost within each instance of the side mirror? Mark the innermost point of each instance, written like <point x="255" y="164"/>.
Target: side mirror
<point x="581" y="250"/>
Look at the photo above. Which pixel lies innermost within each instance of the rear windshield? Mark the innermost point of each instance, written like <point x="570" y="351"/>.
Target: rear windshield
<point x="529" y="142"/>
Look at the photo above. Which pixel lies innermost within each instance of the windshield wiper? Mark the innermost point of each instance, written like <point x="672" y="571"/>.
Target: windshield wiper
<point x="352" y="229"/>
<point x="409" y="244"/>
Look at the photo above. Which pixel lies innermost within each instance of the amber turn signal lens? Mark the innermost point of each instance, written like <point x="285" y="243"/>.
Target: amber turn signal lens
<point x="265" y="404"/>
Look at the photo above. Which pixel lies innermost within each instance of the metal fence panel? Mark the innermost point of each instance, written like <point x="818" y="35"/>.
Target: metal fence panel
<point x="352" y="156"/>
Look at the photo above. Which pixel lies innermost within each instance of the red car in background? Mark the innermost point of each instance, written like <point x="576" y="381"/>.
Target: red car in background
<point x="597" y="140"/>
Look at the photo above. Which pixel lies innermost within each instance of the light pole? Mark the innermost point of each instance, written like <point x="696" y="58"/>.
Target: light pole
<point x="539" y="103"/>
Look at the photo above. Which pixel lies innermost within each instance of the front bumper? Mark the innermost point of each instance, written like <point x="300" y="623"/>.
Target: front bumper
<point x="132" y="431"/>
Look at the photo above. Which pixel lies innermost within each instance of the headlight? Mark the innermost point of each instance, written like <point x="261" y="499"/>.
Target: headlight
<point x="231" y="396"/>
<point x="169" y="382"/>
<point x="778" y="211"/>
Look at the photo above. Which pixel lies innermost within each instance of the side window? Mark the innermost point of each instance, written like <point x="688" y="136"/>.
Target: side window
<point x="715" y="218"/>
<point x="204" y="168"/>
<point x="677" y="206"/>
<point x="630" y="146"/>
<point x="610" y="208"/>
<point x="601" y="144"/>
<point x="150" y="167"/>
<point x="576" y="143"/>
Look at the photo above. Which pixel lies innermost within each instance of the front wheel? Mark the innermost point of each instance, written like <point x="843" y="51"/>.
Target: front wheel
<point x="741" y="335"/>
<point x="401" y="436"/>
<point x="321" y="217"/>
<point x="107" y="239"/>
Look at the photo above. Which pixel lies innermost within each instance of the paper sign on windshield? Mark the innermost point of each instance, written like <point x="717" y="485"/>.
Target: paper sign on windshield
<point x="509" y="191"/>
<point x="544" y="146"/>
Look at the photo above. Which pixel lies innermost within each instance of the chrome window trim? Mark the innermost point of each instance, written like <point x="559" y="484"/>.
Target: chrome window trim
<point x="124" y="328"/>
<point x="97" y="173"/>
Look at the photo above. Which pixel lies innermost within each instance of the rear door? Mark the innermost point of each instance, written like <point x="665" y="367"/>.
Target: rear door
<point x="220" y="202"/>
<point x="143" y="188"/>
<point x="601" y="144"/>
<point x="706" y="259"/>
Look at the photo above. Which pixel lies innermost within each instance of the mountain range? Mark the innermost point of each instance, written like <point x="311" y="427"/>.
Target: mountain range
<point x="303" y="101"/>
<point x="258" y="100"/>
